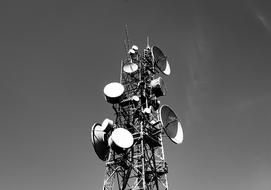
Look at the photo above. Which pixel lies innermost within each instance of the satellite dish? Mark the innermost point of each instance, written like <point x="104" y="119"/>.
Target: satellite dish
<point x="113" y="92"/>
<point x="135" y="48"/>
<point x="160" y="60"/>
<point x="133" y="53"/>
<point x="99" y="141"/>
<point x="130" y="68"/>
<point x="120" y="140"/>
<point x="158" y="87"/>
<point x="171" y="125"/>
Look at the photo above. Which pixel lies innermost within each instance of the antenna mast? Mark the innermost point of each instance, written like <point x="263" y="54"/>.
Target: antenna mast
<point x="132" y="145"/>
<point x="127" y="37"/>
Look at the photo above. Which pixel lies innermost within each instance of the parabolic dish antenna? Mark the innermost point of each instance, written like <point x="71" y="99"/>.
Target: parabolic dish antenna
<point x="160" y="60"/>
<point x="99" y="142"/>
<point x="130" y="68"/>
<point x="171" y="125"/>
<point x="113" y="92"/>
<point x="120" y="139"/>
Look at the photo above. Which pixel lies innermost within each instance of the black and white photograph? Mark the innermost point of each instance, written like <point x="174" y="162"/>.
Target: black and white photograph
<point x="135" y="95"/>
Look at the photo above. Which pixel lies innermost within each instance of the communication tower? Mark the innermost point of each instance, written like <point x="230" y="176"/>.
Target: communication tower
<point x="132" y="145"/>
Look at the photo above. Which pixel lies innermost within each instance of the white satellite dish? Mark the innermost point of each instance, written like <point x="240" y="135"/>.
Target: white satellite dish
<point x="120" y="140"/>
<point x="171" y="125"/>
<point x="113" y="92"/>
<point x="160" y="60"/>
<point x="99" y="141"/>
<point x="130" y="67"/>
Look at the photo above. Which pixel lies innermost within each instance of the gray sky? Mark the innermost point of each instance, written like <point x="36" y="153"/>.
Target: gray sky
<point x="57" y="56"/>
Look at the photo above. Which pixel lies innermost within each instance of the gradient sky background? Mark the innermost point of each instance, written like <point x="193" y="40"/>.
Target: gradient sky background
<point x="56" y="57"/>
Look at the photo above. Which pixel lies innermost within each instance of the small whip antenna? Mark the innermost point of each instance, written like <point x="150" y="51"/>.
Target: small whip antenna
<point x="127" y="37"/>
<point x="148" y="43"/>
<point x="126" y="42"/>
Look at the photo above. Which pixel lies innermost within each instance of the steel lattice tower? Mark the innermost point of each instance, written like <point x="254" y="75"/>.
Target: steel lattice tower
<point x="142" y="165"/>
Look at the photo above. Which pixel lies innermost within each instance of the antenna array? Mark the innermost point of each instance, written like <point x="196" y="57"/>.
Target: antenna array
<point x="132" y="145"/>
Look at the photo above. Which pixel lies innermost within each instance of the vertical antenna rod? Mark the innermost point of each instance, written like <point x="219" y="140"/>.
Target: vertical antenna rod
<point x="148" y="43"/>
<point x="127" y="37"/>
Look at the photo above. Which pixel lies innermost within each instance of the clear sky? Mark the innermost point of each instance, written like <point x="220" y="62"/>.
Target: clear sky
<point x="56" y="57"/>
